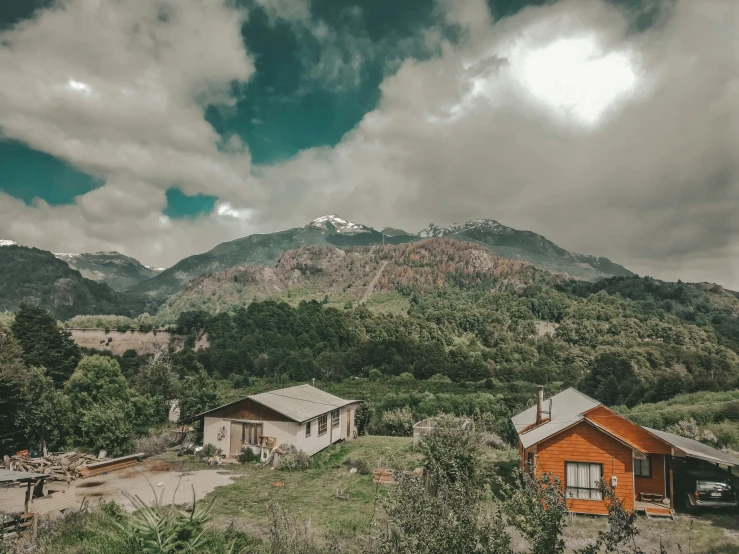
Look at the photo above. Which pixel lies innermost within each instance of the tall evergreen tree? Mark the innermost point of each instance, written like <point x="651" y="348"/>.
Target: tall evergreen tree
<point x="44" y="343"/>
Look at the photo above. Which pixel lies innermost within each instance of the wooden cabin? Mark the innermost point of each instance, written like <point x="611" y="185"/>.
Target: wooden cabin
<point x="303" y="416"/>
<point x="580" y="440"/>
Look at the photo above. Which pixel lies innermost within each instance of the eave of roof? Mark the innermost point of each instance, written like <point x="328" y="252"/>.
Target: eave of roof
<point x="260" y="397"/>
<point x="694" y="449"/>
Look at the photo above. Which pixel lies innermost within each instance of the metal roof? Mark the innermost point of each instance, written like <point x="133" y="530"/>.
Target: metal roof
<point x="695" y="449"/>
<point x="7" y="476"/>
<point x="300" y="403"/>
<point x="567" y="408"/>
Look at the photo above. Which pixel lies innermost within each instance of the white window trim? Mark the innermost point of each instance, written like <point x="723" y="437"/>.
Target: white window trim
<point x="593" y="487"/>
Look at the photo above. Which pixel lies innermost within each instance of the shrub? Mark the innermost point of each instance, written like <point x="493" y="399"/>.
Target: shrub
<point x="406" y="376"/>
<point x="363" y="418"/>
<point x="293" y="459"/>
<point x="374" y="374"/>
<point x="396" y="423"/>
<point x="439" y="378"/>
<point x="107" y="426"/>
<point x="210" y="450"/>
<point x="536" y="508"/>
<point x="249" y="456"/>
<point x="453" y="449"/>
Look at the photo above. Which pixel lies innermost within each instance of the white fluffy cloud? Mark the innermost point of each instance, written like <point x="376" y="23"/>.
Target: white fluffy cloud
<point x="560" y="119"/>
<point x="118" y="89"/>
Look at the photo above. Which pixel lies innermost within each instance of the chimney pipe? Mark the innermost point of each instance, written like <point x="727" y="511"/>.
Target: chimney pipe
<point x="540" y="405"/>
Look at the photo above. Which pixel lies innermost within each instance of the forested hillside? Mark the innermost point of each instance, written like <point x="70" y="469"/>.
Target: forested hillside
<point x="340" y="277"/>
<point x="38" y="277"/>
<point x="617" y="349"/>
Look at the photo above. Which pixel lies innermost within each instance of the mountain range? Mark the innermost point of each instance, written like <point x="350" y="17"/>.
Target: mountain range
<point x="334" y="231"/>
<point x="114" y="269"/>
<point x="39" y="277"/>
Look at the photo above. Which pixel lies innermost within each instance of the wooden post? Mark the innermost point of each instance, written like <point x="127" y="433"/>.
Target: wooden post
<point x="28" y="495"/>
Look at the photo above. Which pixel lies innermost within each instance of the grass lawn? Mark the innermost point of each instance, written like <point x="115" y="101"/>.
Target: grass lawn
<point x="312" y="493"/>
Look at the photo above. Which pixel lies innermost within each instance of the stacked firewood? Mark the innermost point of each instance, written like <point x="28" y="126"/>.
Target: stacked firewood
<point x="60" y="467"/>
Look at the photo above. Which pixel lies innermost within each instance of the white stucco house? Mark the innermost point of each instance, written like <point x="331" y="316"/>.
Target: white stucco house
<point x="304" y="416"/>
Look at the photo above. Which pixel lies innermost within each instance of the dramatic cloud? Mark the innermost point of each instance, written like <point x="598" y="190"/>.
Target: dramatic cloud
<point x="119" y="89"/>
<point x="561" y="119"/>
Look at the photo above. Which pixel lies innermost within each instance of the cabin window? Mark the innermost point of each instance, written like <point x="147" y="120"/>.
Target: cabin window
<point x="322" y="425"/>
<point x="307" y="429"/>
<point x="334" y="419"/>
<point x="643" y="468"/>
<point x="582" y="480"/>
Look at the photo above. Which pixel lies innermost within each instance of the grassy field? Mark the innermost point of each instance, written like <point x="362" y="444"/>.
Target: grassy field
<point x="312" y="494"/>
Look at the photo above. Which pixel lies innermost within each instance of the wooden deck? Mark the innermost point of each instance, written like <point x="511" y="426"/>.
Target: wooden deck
<point x="653" y="509"/>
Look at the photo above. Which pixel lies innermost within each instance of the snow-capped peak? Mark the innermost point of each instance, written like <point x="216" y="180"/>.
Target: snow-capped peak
<point x="340" y="224"/>
<point x="6" y="242"/>
<point x="65" y="255"/>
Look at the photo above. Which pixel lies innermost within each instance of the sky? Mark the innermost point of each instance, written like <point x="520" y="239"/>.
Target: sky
<point x="161" y="128"/>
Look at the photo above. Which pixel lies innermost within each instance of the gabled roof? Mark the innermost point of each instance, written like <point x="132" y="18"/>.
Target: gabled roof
<point x="695" y="449"/>
<point x="300" y="403"/>
<point x="567" y="409"/>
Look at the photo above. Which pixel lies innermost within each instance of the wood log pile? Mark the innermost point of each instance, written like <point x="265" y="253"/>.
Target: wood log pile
<point x="389" y="477"/>
<point x="60" y="467"/>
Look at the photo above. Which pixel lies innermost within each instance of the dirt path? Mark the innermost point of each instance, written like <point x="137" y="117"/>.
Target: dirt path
<point x="148" y="480"/>
<point x="372" y="284"/>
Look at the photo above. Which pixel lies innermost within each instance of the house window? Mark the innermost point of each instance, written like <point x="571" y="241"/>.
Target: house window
<point x="307" y="429"/>
<point x="582" y="480"/>
<point x="643" y="468"/>
<point x="334" y="419"/>
<point x="322" y="425"/>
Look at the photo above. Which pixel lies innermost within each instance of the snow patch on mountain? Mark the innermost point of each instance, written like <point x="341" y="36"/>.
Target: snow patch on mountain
<point x="6" y="242"/>
<point x="160" y="269"/>
<point x="66" y="256"/>
<point x="340" y="224"/>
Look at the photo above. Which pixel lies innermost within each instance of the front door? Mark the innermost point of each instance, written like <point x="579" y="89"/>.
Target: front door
<point x="348" y="424"/>
<point x="237" y="438"/>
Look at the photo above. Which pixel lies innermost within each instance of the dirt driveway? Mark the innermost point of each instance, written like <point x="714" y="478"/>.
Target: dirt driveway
<point x="145" y="480"/>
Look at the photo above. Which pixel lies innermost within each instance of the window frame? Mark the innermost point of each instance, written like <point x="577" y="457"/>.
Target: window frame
<point x="322" y="425"/>
<point x="593" y="490"/>
<point x="335" y="419"/>
<point x="307" y="429"/>
<point x="648" y="461"/>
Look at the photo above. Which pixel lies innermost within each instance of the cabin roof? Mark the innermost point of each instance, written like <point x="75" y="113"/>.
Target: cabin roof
<point x="695" y="449"/>
<point x="567" y="409"/>
<point x="300" y="403"/>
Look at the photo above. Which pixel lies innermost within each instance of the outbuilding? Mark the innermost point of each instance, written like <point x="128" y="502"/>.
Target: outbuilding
<point x="303" y="416"/>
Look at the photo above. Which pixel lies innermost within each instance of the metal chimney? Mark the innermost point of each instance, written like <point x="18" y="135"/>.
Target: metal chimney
<point x="540" y="405"/>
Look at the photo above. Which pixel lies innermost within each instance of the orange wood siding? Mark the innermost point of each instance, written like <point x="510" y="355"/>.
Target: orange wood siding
<point x="655" y="484"/>
<point x="627" y="430"/>
<point x="585" y="443"/>
<point x="248" y="409"/>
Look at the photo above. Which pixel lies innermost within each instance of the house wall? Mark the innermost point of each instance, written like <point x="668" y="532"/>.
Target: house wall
<point x="585" y="443"/>
<point x="314" y="443"/>
<point x="655" y="484"/>
<point x="286" y="432"/>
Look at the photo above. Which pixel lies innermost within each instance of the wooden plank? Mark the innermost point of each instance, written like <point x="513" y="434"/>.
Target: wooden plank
<point x="114" y="461"/>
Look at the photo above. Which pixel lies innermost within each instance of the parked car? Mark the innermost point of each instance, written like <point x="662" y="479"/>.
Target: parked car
<point x="697" y="490"/>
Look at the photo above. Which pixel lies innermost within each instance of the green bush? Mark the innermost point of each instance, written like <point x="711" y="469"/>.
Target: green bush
<point x="395" y="423"/>
<point x="248" y="456"/>
<point x="293" y="459"/>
